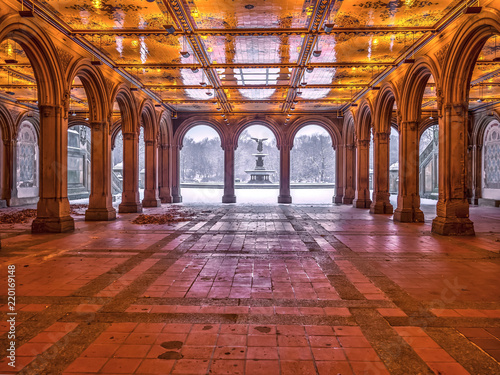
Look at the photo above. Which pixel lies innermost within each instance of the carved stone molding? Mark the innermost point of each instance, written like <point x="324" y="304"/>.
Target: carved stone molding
<point x="441" y="54"/>
<point x="64" y="57"/>
<point x="363" y="143"/>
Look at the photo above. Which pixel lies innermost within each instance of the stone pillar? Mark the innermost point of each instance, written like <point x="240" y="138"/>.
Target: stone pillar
<point x="229" y="196"/>
<point x="151" y="198"/>
<point x="130" y="195"/>
<point x="165" y="174"/>
<point x="53" y="212"/>
<point x="453" y="207"/>
<point x="381" y="195"/>
<point x="285" y="196"/>
<point x="339" y="175"/>
<point x="477" y="167"/>
<point x="408" y="209"/>
<point x="101" y="198"/>
<point x="348" y="172"/>
<point x="362" y="193"/>
<point x="176" y="174"/>
<point x="8" y="165"/>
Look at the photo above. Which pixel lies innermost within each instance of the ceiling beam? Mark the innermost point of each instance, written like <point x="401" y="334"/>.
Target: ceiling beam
<point x="254" y="31"/>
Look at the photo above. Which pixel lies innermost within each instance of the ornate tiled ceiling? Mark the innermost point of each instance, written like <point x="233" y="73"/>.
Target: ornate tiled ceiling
<point x="253" y="55"/>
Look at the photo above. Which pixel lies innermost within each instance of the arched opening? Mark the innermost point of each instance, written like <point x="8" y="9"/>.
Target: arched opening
<point x="312" y="165"/>
<point x="429" y="164"/>
<point x="117" y="166"/>
<point x="21" y="179"/>
<point x="491" y="164"/>
<point x="79" y="159"/>
<point x="142" y="163"/>
<point x="27" y="162"/>
<point x="79" y="144"/>
<point x="202" y="165"/>
<point x="393" y="164"/>
<point x="257" y="166"/>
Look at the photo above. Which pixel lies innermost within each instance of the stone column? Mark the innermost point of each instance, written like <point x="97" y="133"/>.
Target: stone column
<point x="453" y="207"/>
<point x="165" y="174"/>
<point x="408" y="209"/>
<point x="53" y="212"/>
<point x="101" y="198"/>
<point x="381" y="195"/>
<point x="229" y="196"/>
<point x="130" y="195"/>
<point x="285" y="196"/>
<point x="348" y="172"/>
<point x="339" y="175"/>
<point x="151" y="198"/>
<point x="362" y="193"/>
<point x="9" y="188"/>
<point x="477" y="167"/>
<point x="176" y="174"/>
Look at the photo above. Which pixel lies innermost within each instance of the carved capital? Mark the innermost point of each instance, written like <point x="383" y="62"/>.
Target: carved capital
<point x="382" y="137"/>
<point x="363" y="143"/>
<point x="129" y="136"/>
<point x="149" y="142"/>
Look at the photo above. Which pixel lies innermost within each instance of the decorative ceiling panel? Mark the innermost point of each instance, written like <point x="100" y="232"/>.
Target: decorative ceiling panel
<point x="160" y="77"/>
<point x="327" y="106"/>
<point x="140" y="49"/>
<point x="252" y="49"/>
<point x="232" y="14"/>
<point x="363" y="48"/>
<point x="110" y="14"/>
<point x="194" y="107"/>
<point x="355" y="13"/>
<point x="344" y="94"/>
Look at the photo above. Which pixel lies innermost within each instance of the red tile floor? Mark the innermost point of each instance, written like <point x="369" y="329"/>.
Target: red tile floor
<point x="255" y="290"/>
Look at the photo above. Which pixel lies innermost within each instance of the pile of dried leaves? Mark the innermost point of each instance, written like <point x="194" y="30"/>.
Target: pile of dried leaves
<point x="174" y="215"/>
<point x="17" y="217"/>
<point x="78" y="209"/>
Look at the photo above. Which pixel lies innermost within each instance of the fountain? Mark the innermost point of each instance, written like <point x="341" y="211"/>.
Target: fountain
<point x="259" y="175"/>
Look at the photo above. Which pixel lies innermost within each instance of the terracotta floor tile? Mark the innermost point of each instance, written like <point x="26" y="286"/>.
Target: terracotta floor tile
<point x="297" y="367"/>
<point x="255" y="367"/>
<point x="91" y="365"/>
<point x="155" y="366"/>
<point x="228" y="367"/>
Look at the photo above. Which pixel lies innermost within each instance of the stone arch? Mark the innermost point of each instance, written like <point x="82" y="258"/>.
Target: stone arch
<point x="463" y="53"/>
<point x="6" y="124"/>
<point x="480" y="126"/>
<point x="149" y="120"/>
<point x="128" y="108"/>
<point x="384" y="105"/>
<point x="426" y="124"/>
<point x="247" y="122"/>
<point x="181" y="131"/>
<point x="115" y="129"/>
<point x="414" y="86"/>
<point x="165" y="128"/>
<point x="34" y="120"/>
<point x="321" y="121"/>
<point x="42" y="56"/>
<point x="363" y="123"/>
<point x="348" y="129"/>
<point x="94" y="85"/>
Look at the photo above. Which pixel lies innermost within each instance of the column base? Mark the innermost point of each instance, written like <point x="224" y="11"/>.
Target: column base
<point x="337" y="199"/>
<point x="456" y="226"/>
<point x="381" y="208"/>
<point x="228" y="198"/>
<point x="361" y="203"/>
<point x="177" y="199"/>
<point x="100" y="214"/>
<point x="347" y="200"/>
<point x="53" y="225"/>
<point x="167" y="199"/>
<point x="409" y="215"/>
<point x="129" y="208"/>
<point x="285" y="199"/>
<point x="151" y="203"/>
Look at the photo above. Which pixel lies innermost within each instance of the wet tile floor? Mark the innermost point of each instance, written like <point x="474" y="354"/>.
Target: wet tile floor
<point x="246" y="289"/>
